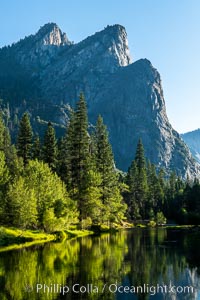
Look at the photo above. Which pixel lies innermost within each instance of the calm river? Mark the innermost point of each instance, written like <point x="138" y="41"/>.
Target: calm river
<point x="132" y="264"/>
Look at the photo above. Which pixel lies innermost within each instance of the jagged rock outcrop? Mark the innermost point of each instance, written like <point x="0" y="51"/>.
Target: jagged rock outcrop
<point x="86" y="66"/>
<point x="40" y="49"/>
<point x="52" y="71"/>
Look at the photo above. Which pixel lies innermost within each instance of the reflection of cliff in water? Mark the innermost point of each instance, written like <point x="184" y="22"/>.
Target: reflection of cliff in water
<point x="164" y="257"/>
<point x="128" y="258"/>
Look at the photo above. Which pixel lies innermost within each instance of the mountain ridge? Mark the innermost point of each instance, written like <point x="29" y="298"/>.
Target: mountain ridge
<point x="128" y="95"/>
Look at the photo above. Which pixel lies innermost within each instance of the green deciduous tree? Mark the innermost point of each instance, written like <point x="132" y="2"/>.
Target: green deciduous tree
<point x="22" y="203"/>
<point x="49" y="191"/>
<point x="37" y="194"/>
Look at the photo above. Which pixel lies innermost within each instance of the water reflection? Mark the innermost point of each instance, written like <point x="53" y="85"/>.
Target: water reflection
<point x="106" y="267"/>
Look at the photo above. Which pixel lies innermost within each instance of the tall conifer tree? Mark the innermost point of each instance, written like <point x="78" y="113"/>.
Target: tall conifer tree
<point x="104" y="159"/>
<point x="36" y="148"/>
<point x="141" y="183"/>
<point x="24" y="138"/>
<point x="50" y="147"/>
<point x="78" y="156"/>
<point x="2" y="128"/>
<point x="155" y="192"/>
<point x="80" y="146"/>
<point x="67" y="153"/>
<point x="113" y="208"/>
<point x="139" y="188"/>
<point x="131" y="180"/>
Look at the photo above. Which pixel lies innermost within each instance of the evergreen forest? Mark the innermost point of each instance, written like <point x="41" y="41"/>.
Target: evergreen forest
<point x="55" y="184"/>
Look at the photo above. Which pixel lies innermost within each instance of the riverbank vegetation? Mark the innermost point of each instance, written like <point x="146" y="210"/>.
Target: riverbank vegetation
<point x="14" y="238"/>
<point x="9" y="236"/>
<point x="72" y="183"/>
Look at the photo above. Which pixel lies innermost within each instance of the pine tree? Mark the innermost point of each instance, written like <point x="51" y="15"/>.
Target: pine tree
<point x="4" y="179"/>
<point x="140" y="157"/>
<point x="155" y="191"/>
<point x="24" y="139"/>
<point x="162" y="183"/>
<point x="139" y="186"/>
<point x="80" y="144"/>
<point x="78" y="156"/>
<point x="5" y="142"/>
<point x="66" y="153"/>
<point x="141" y="181"/>
<point x="2" y="128"/>
<point x="93" y="205"/>
<point x="131" y="181"/>
<point x="169" y="206"/>
<point x="36" y="150"/>
<point x="111" y="198"/>
<point x="104" y="158"/>
<point x="50" y="147"/>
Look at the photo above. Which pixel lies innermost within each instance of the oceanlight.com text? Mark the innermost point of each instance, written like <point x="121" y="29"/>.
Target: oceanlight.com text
<point x="112" y="288"/>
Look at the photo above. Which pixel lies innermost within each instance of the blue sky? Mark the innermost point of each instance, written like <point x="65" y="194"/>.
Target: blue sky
<point x="166" y="32"/>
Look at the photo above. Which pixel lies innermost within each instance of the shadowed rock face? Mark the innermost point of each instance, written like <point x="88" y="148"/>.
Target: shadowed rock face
<point x="128" y="95"/>
<point x="133" y="106"/>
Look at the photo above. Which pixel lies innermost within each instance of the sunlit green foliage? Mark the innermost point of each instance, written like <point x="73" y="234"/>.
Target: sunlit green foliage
<point x="38" y="198"/>
<point x="79" y="184"/>
<point x="22" y="203"/>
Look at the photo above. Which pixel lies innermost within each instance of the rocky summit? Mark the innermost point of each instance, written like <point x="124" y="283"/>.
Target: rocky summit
<point x="45" y="73"/>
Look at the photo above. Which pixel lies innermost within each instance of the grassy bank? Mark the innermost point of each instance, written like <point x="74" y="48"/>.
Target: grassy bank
<point x="13" y="238"/>
<point x="17" y="237"/>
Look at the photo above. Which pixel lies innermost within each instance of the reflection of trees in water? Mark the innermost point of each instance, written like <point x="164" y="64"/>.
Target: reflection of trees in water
<point x="104" y="263"/>
<point x="132" y="257"/>
<point x="22" y="270"/>
<point x="95" y="260"/>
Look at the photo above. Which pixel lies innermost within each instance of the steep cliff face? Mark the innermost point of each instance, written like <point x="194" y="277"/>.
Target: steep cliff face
<point x="128" y="95"/>
<point x="133" y="106"/>
<point x="86" y="66"/>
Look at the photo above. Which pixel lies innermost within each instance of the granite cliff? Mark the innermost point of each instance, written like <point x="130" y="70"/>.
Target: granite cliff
<point x="45" y="73"/>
